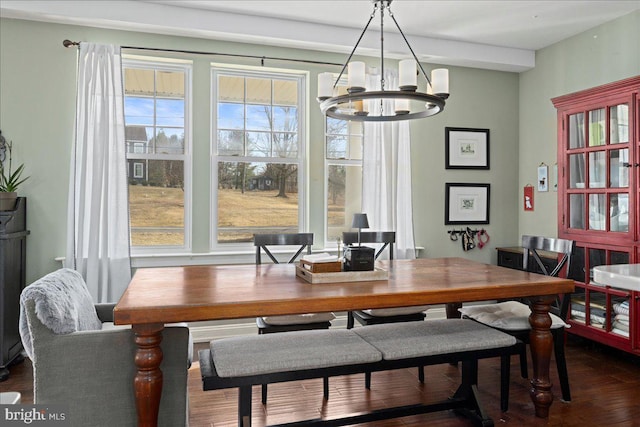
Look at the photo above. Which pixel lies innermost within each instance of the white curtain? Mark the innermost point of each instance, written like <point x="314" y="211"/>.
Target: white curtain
<point x="97" y="216"/>
<point x="386" y="172"/>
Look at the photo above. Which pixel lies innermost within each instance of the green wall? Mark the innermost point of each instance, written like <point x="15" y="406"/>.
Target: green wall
<point x="604" y="54"/>
<point x="37" y="110"/>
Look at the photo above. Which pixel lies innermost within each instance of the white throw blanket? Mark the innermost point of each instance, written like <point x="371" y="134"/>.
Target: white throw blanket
<point x="62" y="303"/>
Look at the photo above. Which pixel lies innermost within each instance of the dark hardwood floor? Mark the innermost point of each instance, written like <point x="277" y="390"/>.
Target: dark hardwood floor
<point x="605" y="386"/>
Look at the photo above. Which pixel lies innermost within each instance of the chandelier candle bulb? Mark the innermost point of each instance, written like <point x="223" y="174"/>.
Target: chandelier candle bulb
<point x="440" y="82"/>
<point x="356" y="76"/>
<point x="402" y="106"/>
<point x="325" y="85"/>
<point x="408" y="74"/>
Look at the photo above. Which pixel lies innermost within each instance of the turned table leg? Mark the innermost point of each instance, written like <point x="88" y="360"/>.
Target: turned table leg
<point x="541" y="342"/>
<point x="148" y="380"/>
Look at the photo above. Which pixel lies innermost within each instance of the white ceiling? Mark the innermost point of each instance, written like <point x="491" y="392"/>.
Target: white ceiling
<point x="500" y="35"/>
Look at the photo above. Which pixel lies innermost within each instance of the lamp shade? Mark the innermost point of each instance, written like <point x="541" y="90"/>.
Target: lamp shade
<point x="360" y="221"/>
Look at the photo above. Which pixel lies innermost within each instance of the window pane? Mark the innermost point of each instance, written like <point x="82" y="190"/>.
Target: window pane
<point x="259" y="144"/>
<point x="170" y="112"/>
<point x="285" y="119"/>
<point x="156" y="202"/>
<point x="256" y="198"/>
<point x="619" y="257"/>
<point x="258" y="117"/>
<point x="285" y="144"/>
<point x="596" y="127"/>
<point x="343" y="198"/>
<point x="139" y="82"/>
<point x="337" y="127"/>
<point x="170" y="141"/>
<point x="336" y="147"/>
<point x="285" y="92"/>
<point x="170" y="84"/>
<point x="138" y="111"/>
<point x="597" y="169"/>
<point x="597" y="211"/>
<point x="138" y="139"/>
<point x="230" y="116"/>
<point x="576" y="130"/>
<point x="576" y="171"/>
<point x="231" y="88"/>
<point x="619" y="212"/>
<point x="619" y="124"/>
<point x="355" y="147"/>
<point x="231" y="143"/>
<point x="258" y="91"/>
<point x="617" y="169"/>
<point x="576" y="211"/>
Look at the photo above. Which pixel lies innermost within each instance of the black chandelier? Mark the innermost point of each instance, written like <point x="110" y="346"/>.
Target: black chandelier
<point x="362" y="105"/>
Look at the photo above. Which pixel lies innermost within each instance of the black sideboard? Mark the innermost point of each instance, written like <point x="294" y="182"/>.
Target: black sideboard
<point x="13" y="246"/>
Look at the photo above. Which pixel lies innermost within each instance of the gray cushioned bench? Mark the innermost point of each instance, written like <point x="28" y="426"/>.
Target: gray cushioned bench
<point x="261" y="359"/>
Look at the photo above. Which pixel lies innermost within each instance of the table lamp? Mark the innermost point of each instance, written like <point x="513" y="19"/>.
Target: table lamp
<point x="360" y="221"/>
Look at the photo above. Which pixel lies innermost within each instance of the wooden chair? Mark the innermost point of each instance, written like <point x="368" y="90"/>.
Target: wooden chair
<point x="386" y="315"/>
<point x="512" y="317"/>
<point x="296" y="322"/>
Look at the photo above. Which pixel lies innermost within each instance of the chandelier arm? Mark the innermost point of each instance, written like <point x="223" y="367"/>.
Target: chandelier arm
<point x="344" y="67"/>
<point x="410" y="49"/>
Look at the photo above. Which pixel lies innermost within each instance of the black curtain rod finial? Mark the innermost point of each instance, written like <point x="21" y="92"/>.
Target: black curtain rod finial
<point x="69" y="43"/>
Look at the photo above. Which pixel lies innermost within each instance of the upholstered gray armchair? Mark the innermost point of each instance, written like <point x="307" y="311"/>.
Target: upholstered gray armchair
<point x="86" y="366"/>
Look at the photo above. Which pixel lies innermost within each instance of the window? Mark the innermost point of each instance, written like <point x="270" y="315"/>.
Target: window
<point x="258" y="145"/>
<point x="156" y="108"/>
<point x="138" y="169"/>
<point x="343" y="171"/>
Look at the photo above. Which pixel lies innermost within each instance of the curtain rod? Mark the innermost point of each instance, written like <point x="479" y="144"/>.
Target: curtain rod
<point x="69" y="43"/>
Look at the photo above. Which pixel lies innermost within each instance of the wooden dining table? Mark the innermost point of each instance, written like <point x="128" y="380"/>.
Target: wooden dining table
<point x="157" y="296"/>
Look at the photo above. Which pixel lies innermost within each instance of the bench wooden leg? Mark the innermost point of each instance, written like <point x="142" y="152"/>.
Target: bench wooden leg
<point x="244" y="406"/>
<point x="264" y="394"/>
<point x="367" y="380"/>
<point x="421" y="374"/>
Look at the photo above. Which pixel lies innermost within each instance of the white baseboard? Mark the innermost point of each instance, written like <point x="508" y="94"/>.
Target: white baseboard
<point x="212" y="332"/>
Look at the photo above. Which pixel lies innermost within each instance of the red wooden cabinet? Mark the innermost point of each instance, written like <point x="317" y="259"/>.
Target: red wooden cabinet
<point x="599" y="202"/>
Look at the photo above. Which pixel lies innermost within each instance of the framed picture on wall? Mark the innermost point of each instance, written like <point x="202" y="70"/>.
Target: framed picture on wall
<point x="466" y="203"/>
<point x="466" y="148"/>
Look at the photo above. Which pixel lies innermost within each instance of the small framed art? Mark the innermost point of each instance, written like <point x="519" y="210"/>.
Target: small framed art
<point x="466" y="203"/>
<point x="466" y="148"/>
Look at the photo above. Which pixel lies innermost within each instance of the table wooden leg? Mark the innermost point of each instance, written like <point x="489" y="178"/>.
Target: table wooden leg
<point x="541" y="342"/>
<point x="451" y="309"/>
<point x="148" y="380"/>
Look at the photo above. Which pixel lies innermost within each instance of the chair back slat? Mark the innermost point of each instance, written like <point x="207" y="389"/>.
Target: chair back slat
<point x="263" y="241"/>
<point x="386" y="238"/>
<point x="563" y="248"/>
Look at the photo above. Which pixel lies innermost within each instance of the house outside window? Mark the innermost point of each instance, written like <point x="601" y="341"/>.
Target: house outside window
<point x="157" y="120"/>
<point x="258" y="151"/>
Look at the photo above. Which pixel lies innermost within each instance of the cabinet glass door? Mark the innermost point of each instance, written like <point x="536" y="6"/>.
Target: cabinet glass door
<point x="597" y="164"/>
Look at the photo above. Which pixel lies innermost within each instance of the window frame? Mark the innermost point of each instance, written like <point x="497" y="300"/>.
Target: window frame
<point x="302" y="159"/>
<point x="170" y="65"/>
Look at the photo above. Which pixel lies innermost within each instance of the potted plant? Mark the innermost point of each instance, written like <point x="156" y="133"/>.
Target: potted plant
<point x="9" y="180"/>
